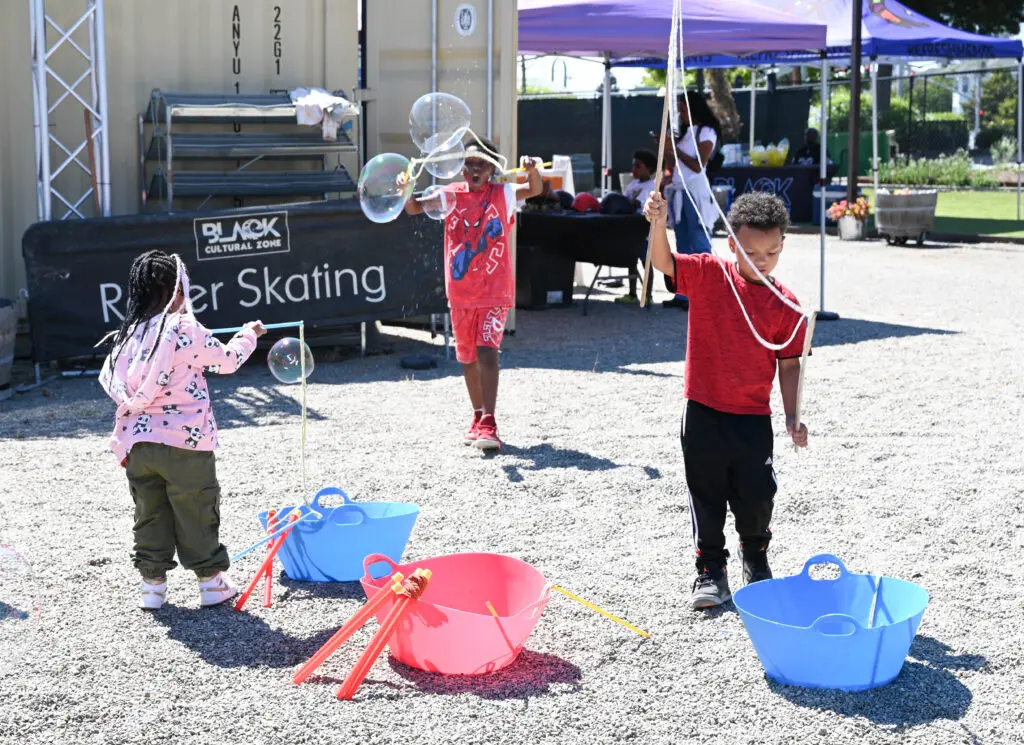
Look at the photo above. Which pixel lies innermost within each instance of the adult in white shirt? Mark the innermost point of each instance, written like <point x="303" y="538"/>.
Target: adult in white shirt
<point x="701" y="135"/>
<point x="644" y="164"/>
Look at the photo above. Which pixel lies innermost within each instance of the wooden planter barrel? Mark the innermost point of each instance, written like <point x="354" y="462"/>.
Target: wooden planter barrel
<point x="900" y="217"/>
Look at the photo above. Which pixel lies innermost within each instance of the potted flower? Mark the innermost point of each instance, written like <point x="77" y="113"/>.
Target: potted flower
<point x="851" y="217"/>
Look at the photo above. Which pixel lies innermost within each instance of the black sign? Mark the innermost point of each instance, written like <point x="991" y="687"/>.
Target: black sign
<point x="794" y="185"/>
<point x="323" y="263"/>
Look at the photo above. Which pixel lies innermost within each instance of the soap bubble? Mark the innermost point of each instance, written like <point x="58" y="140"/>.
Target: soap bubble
<point x="284" y="361"/>
<point x="449" y="160"/>
<point x="437" y="202"/>
<point x="19" y="608"/>
<point x="438" y="120"/>
<point x="380" y="195"/>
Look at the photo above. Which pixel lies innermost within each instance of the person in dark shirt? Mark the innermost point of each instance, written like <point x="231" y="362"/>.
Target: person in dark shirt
<point x="810" y="153"/>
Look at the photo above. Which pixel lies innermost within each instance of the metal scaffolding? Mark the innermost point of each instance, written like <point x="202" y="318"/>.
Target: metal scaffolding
<point x="94" y="145"/>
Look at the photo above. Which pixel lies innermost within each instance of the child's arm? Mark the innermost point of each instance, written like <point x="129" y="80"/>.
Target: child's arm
<point x="789" y="383"/>
<point x="412" y="205"/>
<point x="534" y="185"/>
<point x="207" y="351"/>
<point x="656" y="212"/>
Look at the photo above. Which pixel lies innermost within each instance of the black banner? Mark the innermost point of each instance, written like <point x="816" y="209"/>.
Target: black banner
<point x="323" y="263"/>
<point x="794" y="185"/>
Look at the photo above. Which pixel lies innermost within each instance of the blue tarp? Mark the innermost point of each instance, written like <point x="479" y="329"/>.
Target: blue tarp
<point x="889" y="30"/>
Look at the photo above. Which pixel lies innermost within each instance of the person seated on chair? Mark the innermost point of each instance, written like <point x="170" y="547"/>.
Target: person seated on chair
<point x="810" y="153"/>
<point x="645" y="163"/>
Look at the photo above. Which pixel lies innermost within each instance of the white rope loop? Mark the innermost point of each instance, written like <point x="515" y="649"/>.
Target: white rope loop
<point x="677" y="57"/>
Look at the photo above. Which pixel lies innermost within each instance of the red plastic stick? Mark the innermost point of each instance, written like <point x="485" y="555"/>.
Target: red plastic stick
<point x="362" y="668"/>
<point x="268" y="586"/>
<point x="267" y="564"/>
<point x="351" y="626"/>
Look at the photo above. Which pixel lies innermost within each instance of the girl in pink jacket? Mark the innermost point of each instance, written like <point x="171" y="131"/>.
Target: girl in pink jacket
<point x="164" y="431"/>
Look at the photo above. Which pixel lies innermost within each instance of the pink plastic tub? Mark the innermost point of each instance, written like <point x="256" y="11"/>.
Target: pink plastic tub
<point x="450" y="630"/>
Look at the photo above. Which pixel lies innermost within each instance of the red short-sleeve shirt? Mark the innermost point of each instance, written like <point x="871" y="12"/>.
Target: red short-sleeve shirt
<point x="726" y="367"/>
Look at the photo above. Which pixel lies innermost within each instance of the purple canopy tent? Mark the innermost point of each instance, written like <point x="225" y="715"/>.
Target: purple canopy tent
<point x="615" y="29"/>
<point x="625" y="28"/>
<point x="621" y="29"/>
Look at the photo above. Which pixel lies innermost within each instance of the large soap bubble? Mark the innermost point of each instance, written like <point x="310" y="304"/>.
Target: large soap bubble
<point x="19" y="609"/>
<point x="381" y="195"/>
<point x="285" y="363"/>
<point x="437" y="202"/>
<point x="438" y="120"/>
<point x="446" y="162"/>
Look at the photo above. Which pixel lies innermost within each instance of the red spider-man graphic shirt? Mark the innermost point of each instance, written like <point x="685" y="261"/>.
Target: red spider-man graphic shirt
<point x="478" y="258"/>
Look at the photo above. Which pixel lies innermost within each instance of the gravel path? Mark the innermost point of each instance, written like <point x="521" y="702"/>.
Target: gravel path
<point x="915" y="470"/>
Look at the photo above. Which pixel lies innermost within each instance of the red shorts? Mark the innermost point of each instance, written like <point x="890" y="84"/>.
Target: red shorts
<point x="477" y="327"/>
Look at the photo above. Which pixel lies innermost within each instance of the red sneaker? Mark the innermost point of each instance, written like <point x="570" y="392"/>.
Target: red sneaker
<point x="471" y="435"/>
<point x="487" y="434"/>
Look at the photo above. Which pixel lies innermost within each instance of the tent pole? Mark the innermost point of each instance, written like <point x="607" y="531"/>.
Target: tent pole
<point x="1020" y="125"/>
<point x="606" y="127"/>
<point x="753" y="104"/>
<point x="874" y="123"/>
<point x="822" y="314"/>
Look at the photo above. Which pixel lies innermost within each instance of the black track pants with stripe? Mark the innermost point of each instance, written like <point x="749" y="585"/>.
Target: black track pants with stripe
<point x="728" y="461"/>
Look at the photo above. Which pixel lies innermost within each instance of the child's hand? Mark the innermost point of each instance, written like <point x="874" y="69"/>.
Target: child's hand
<point x="656" y="210"/>
<point x="402" y="180"/>
<point x="257" y="328"/>
<point x="799" y="437"/>
<point x="528" y="164"/>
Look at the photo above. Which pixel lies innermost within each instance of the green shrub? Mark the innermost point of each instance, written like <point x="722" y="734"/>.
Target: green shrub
<point x="1004" y="151"/>
<point x="947" y="170"/>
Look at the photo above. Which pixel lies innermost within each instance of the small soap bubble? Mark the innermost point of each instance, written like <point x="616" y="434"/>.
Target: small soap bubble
<point x="285" y="363"/>
<point x="437" y="202"/>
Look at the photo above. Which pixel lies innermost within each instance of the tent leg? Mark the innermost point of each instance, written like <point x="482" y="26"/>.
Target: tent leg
<point x="606" y="126"/>
<point x="1020" y="126"/>
<point x="753" y="106"/>
<point x="822" y="314"/>
<point x="874" y="124"/>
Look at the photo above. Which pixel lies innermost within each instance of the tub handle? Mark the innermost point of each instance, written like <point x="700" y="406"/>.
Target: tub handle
<point x="836" y="618"/>
<point x="329" y="491"/>
<point x="372" y="559"/>
<point x="349" y="507"/>
<point x="824" y="559"/>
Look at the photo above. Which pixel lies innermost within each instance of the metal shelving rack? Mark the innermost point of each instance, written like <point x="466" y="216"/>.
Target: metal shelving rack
<point x="168" y="147"/>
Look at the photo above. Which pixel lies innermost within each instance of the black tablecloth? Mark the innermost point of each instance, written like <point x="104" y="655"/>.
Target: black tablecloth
<point x="605" y="240"/>
<point x="793" y="184"/>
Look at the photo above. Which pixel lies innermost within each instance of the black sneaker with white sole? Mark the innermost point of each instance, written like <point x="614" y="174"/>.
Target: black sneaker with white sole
<point x="755" y="564"/>
<point x="711" y="588"/>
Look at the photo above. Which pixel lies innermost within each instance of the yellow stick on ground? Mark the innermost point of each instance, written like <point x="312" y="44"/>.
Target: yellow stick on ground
<point x="578" y="599"/>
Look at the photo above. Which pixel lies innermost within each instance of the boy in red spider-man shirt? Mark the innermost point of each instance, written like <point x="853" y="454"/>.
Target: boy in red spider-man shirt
<point x="479" y="277"/>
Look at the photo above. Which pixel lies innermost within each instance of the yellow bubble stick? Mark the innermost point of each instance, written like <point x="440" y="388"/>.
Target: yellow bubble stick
<point x="578" y="599"/>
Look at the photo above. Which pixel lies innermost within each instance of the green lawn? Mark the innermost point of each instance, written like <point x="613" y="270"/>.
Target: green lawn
<point x="976" y="213"/>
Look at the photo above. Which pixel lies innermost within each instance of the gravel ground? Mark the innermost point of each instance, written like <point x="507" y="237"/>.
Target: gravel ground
<point x="914" y="401"/>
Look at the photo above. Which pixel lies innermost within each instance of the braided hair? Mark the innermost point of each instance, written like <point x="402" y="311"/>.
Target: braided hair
<point x="152" y="282"/>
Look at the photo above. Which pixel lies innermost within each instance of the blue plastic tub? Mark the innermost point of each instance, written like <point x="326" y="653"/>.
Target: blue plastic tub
<point x="832" y="633"/>
<point x="332" y="549"/>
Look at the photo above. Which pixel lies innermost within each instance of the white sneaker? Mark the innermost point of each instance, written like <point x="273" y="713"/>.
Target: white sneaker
<point x="216" y="590"/>
<point x="153" y="595"/>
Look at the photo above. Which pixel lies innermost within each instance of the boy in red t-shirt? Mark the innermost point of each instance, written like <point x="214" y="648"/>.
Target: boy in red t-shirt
<point x="727" y="430"/>
<point x="479" y="277"/>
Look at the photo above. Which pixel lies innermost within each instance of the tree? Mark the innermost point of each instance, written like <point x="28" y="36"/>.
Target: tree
<point x="991" y="17"/>
<point x="724" y="105"/>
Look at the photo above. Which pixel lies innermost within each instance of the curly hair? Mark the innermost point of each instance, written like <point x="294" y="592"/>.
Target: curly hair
<point x="759" y="210"/>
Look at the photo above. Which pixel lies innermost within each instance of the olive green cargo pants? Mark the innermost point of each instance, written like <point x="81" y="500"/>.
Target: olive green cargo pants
<point x="177" y="508"/>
